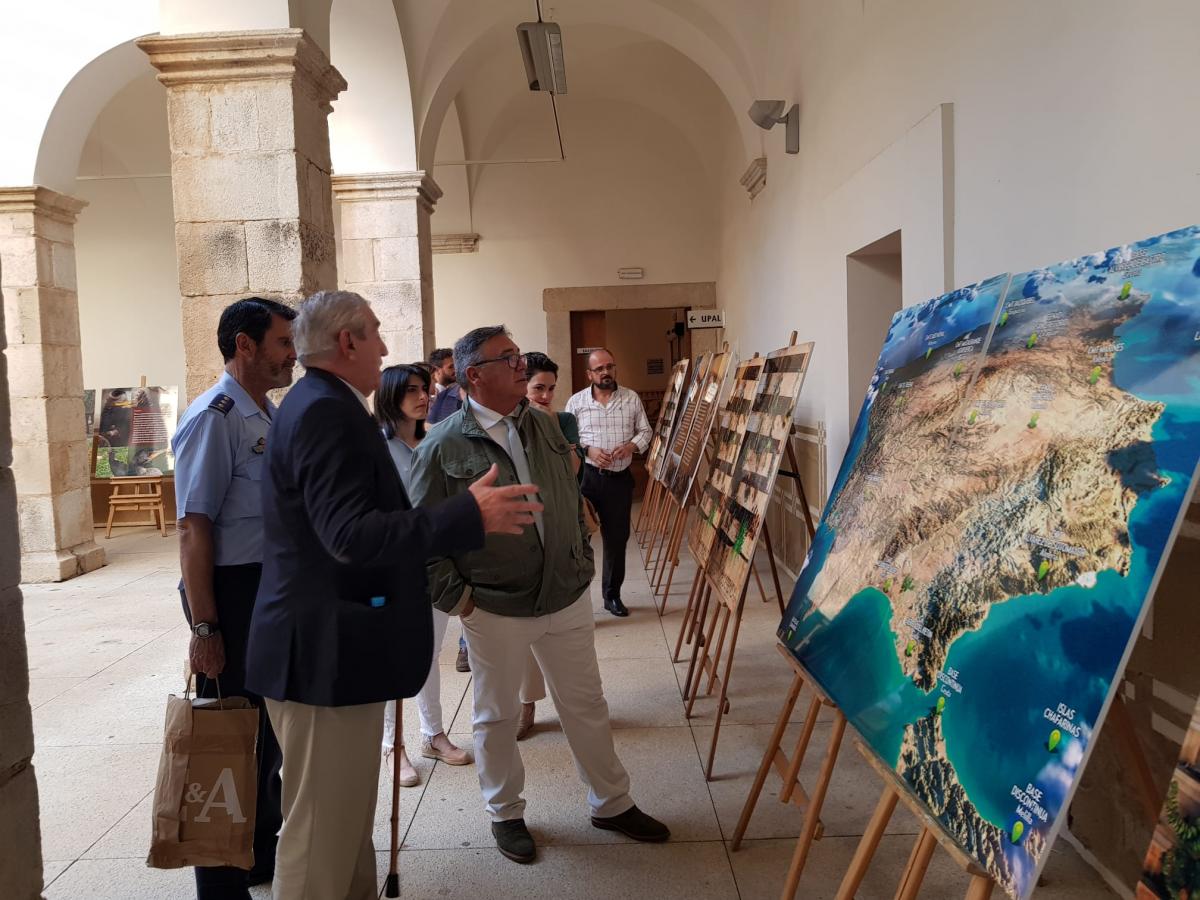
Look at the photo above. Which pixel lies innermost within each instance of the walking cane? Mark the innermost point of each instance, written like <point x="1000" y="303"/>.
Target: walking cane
<point x="392" y="888"/>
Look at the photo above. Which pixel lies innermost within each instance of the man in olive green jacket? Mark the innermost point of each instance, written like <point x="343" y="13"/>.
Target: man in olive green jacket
<point x="523" y="593"/>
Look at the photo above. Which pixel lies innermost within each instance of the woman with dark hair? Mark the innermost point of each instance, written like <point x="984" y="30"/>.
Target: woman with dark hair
<point x="401" y="403"/>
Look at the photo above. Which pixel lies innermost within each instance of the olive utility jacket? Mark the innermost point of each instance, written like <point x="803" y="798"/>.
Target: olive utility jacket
<point x="512" y="575"/>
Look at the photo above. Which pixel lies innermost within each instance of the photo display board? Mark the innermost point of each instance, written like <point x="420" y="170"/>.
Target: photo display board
<point x="688" y="409"/>
<point x="1011" y="488"/>
<point x="731" y="428"/>
<point x="666" y="417"/>
<point x="135" y="428"/>
<point x="768" y="429"/>
<point x="707" y="396"/>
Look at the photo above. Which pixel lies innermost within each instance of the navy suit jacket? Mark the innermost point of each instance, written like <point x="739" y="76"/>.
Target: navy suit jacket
<point x="343" y="616"/>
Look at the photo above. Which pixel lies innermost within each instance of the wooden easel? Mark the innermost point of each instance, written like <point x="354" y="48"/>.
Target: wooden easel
<point x="788" y="769"/>
<point x="931" y="835"/>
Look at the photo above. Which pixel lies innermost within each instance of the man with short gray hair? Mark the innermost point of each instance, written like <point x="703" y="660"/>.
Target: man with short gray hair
<point x="342" y="621"/>
<point x="522" y="592"/>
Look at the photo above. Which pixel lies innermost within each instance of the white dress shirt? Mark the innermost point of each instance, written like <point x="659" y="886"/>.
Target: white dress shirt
<point x="607" y="426"/>
<point x="503" y="430"/>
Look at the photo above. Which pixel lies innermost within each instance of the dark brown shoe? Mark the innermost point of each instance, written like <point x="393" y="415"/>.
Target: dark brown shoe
<point x="525" y="723"/>
<point x="635" y="824"/>
<point x="514" y="840"/>
<point x="462" y="664"/>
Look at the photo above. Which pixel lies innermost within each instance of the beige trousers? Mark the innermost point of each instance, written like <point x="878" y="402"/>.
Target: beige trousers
<point x="533" y="685"/>
<point x="564" y="647"/>
<point x="330" y="782"/>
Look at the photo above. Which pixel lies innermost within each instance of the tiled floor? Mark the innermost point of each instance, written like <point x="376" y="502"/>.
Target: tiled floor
<point x="106" y="649"/>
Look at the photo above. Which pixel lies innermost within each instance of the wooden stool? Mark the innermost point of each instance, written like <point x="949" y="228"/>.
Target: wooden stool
<point x="137" y="493"/>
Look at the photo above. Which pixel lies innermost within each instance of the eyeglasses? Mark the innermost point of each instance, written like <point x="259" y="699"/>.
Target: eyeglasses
<point x="514" y="362"/>
<point x="611" y="367"/>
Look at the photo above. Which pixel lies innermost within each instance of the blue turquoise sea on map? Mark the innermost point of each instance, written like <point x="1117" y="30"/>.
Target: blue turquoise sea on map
<point x="1036" y="651"/>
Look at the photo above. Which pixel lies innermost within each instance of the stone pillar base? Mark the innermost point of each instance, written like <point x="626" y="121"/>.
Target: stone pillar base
<point x="59" y="565"/>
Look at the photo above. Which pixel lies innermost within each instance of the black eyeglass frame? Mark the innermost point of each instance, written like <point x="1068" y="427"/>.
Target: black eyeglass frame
<point x="514" y="361"/>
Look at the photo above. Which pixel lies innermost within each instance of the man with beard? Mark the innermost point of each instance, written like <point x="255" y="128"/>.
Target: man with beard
<point x="219" y="450"/>
<point x="612" y="426"/>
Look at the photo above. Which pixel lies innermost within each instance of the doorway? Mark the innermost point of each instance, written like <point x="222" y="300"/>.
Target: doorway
<point x="873" y="295"/>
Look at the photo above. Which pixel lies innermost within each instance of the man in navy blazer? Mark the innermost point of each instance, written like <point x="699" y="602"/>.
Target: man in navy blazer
<point x="342" y="621"/>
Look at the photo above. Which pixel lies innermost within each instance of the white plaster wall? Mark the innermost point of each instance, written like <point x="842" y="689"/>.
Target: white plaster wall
<point x="129" y="307"/>
<point x="632" y="192"/>
<point x="1073" y="129"/>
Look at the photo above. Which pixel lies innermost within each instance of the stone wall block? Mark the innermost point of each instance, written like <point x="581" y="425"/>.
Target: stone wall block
<point x="318" y="197"/>
<point x="54" y="230"/>
<point x="256" y="186"/>
<point x="5" y="419"/>
<point x="310" y="128"/>
<point x="276" y="116"/>
<point x="274" y="254"/>
<point x="203" y="364"/>
<point x="377" y="219"/>
<point x="21" y="861"/>
<point x="26" y="371"/>
<point x="188" y="120"/>
<point x="64" y="418"/>
<point x="59" y="367"/>
<point x="73" y="512"/>
<point x="52" y="314"/>
<point x="62" y="265"/>
<point x="18" y="262"/>
<point x="233" y="111"/>
<point x="398" y="259"/>
<point x="28" y="417"/>
<point x="358" y="261"/>
<point x="33" y="462"/>
<point x="212" y="257"/>
<point x="35" y="517"/>
<point x="319" y="255"/>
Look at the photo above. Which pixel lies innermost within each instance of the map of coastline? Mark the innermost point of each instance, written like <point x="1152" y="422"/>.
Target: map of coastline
<point x="1010" y="489"/>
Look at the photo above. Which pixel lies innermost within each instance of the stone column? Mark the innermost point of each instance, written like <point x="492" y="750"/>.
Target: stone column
<point x="387" y="254"/>
<point x="20" y="834"/>
<point x="250" y="166"/>
<point x="50" y="451"/>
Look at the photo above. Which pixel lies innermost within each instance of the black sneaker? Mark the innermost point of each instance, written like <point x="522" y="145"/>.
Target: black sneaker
<point x="635" y="824"/>
<point x="462" y="664"/>
<point x="514" y="840"/>
<point x="616" y="607"/>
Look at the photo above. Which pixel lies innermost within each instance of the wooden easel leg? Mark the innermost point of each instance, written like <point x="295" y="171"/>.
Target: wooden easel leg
<point x="762" y="591"/>
<point x="656" y="525"/>
<point x="808" y="520"/>
<point x="671" y="557"/>
<point x="774" y="570"/>
<point x="980" y="888"/>
<point x="764" y="768"/>
<point x="857" y="869"/>
<point x="712" y="749"/>
<point x="698" y="645"/>
<point x="704" y="642"/>
<point x="689" y="615"/>
<point x="791" y="777"/>
<point x="716" y="657"/>
<point x="660" y="536"/>
<point x="674" y="562"/>
<point x="647" y="500"/>
<point x="918" y="864"/>
<point x="812" y="815"/>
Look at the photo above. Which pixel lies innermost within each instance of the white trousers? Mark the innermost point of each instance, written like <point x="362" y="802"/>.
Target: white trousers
<point x="429" y="698"/>
<point x="564" y="646"/>
<point x="330" y="782"/>
<point x="533" y="685"/>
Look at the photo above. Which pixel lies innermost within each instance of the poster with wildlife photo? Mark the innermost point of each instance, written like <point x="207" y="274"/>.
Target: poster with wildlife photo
<point x="134" y="431"/>
<point x="666" y="416"/>
<point x="768" y="429"/>
<point x="731" y="429"/>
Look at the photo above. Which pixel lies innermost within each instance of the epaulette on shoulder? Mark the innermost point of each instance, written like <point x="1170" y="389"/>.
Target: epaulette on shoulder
<point x="222" y="403"/>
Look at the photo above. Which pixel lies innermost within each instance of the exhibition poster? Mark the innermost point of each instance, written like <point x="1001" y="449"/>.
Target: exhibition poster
<point x="688" y="409"/>
<point x="768" y="430"/>
<point x="707" y="396"/>
<point x="135" y="429"/>
<point x="1010" y="491"/>
<point x="666" y="417"/>
<point x="731" y="428"/>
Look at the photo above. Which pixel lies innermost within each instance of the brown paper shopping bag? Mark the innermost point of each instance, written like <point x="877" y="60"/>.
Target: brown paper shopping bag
<point x="204" y="799"/>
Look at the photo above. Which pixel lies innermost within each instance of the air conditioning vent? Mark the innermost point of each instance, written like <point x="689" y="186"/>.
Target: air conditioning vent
<point x="542" y="51"/>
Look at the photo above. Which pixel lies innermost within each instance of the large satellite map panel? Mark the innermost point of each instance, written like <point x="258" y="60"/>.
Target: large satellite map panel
<point x="1012" y="485"/>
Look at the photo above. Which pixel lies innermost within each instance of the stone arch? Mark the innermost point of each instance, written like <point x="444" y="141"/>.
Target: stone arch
<point x="470" y="39"/>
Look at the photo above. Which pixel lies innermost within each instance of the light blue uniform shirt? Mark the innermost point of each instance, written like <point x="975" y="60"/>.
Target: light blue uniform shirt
<point x="220" y="450"/>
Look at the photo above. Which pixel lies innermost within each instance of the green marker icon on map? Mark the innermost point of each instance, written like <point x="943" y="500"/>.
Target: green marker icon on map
<point x="1043" y="569"/>
<point x="1003" y="319"/>
<point x="1018" y="829"/>
<point x="929" y="353"/>
<point x="972" y="417"/>
<point x="1053" y="742"/>
<point x="1095" y="376"/>
<point x="1029" y="344"/>
<point x="941" y="705"/>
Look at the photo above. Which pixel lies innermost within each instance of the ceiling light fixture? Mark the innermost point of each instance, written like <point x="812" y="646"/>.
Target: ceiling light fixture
<point x="766" y="114"/>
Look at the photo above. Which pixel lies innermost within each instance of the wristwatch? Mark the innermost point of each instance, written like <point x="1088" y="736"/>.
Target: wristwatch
<point x="205" y="629"/>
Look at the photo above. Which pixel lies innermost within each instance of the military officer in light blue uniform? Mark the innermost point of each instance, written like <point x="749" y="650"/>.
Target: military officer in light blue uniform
<point x="220" y="448"/>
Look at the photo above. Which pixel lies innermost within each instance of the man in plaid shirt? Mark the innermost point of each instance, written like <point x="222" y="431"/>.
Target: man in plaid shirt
<point x="612" y="426"/>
